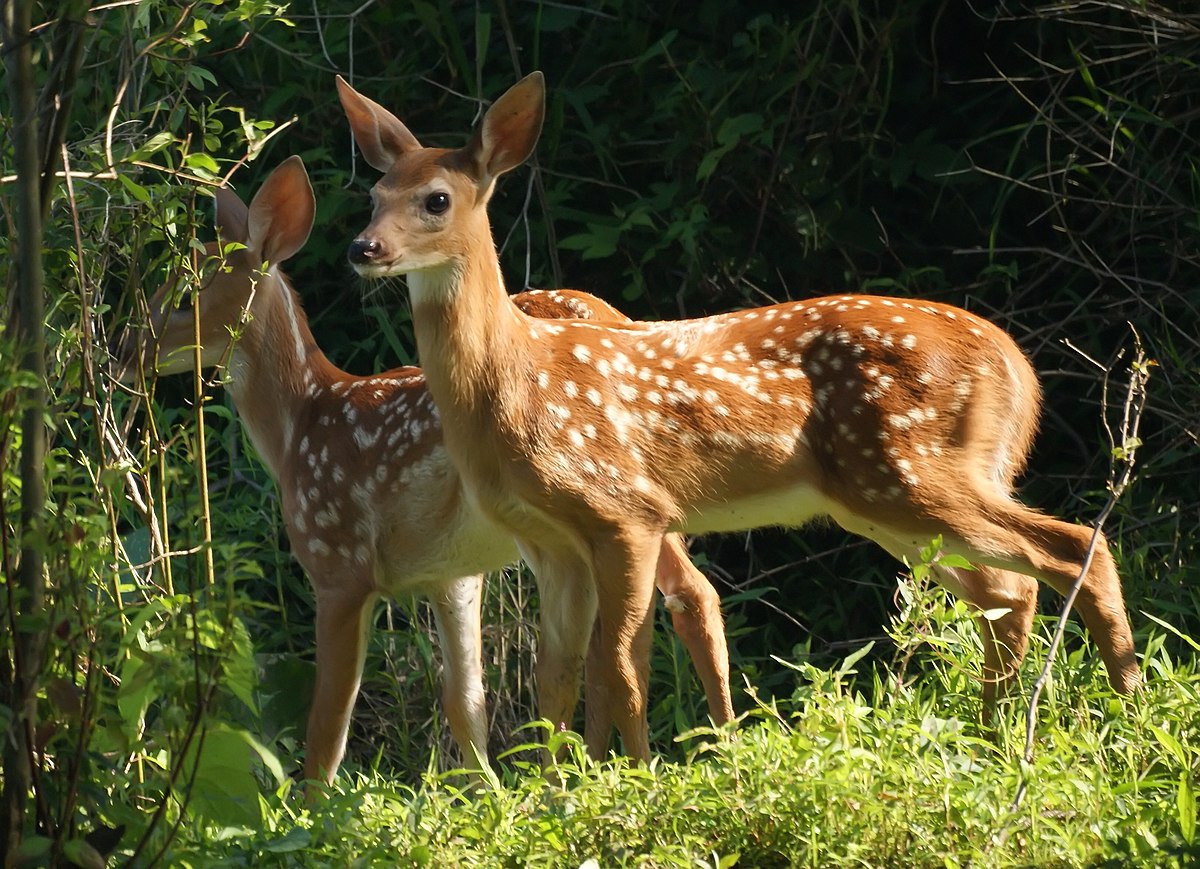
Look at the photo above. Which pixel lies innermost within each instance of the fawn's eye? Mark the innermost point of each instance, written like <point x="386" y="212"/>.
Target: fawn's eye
<point x="437" y="203"/>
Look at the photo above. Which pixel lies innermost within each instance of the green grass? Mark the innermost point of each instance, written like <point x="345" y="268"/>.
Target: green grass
<point x="837" y="776"/>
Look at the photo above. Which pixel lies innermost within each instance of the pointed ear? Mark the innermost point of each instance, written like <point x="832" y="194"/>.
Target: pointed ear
<point x="380" y="135"/>
<point x="510" y="129"/>
<point x="231" y="216"/>
<point x="282" y="212"/>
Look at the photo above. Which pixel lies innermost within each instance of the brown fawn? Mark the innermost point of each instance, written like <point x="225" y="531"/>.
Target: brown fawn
<point x="901" y="420"/>
<point x="370" y="500"/>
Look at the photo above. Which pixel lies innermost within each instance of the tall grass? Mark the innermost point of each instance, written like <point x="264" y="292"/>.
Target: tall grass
<point x="848" y="771"/>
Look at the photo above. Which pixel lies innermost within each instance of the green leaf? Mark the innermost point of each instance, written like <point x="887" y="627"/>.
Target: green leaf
<point x="483" y="31"/>
<point x="241" y="670"/>
<point x="1185" y="807"/>
<point x="33" y="623"/>
<point x="200" y="160"/>
<point x="599" y="242"/>
<point x="269" y="759"/>
<point x="383" y="322"/>
<point x="729" y="136"/>
<point x="296" y="839"/>
<point x="951" y="560"/>
<point x="137" y="689"/>
<point x="152" y="145"/>
<point x="1171" y="744"/>
<point x="32" y="846"/>
<point x="198" y="77"/>
<point x="224" y="790"/>
<point x="1174" y="630"/>
<point x="708" y="164"/>
<point x="847" y="665"/>
<point x="137" y="191"/>
<point x="733" y="130"/>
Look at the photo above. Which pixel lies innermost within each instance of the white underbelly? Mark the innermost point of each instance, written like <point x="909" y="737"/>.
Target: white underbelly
<point x="789" y="508"/>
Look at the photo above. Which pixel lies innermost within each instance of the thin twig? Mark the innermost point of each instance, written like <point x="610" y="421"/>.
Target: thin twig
<point x="1120" y="474"/>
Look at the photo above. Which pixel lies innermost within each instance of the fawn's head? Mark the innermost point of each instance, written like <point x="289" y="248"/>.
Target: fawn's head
<point x="428" y="205"/>
<point x="252" y="240"/>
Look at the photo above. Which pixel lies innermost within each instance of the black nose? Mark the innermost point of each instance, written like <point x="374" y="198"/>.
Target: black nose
<point x="363" y="250"/>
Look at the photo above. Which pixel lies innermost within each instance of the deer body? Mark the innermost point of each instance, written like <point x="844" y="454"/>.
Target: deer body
<point x="297" y="407"/>
<point x="901" y="420"/>
<point x="371" y="502"/>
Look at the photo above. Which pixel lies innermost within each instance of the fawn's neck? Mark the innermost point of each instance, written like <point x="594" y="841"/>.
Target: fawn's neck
<point x="472" y="341"/>
<point x="276" y="370"/>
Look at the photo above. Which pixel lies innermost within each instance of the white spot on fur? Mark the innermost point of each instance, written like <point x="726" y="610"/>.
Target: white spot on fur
<point x="366" y="440"/>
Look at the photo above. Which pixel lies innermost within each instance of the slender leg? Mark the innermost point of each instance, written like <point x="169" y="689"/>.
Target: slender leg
<point x="567" y="605"/>
<point x="597" y="714"/>
<point x="1100" y="603"/>
<point x="342" y="624"/>
<point x="456" y="610"/>
<point x="1010" y="536"/>
<point x="624" y="570"/>
<point x="1005" y="636"/>
<point x="695" y="609"/>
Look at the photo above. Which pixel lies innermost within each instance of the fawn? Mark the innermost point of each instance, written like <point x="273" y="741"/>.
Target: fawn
<point x="901" y="420"/>
<point x="370" y="500"/>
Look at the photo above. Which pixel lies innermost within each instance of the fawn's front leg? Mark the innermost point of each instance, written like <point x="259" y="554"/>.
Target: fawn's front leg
<point x="619" y="663"/>
<point x="343" y="619"/>
<point x="567" y="612"/>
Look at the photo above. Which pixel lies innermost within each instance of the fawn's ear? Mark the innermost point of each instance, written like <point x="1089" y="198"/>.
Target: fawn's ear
<point x="510" y="129"/>
<point x="231" y="216"/>
<point x="282" y="212"/>
<point x="380" y="135"/>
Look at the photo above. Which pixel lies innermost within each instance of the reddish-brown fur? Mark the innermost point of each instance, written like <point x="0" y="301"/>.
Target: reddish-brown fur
<point x="902" y="420"/>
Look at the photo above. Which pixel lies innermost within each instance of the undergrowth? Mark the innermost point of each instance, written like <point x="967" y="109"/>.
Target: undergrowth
<point x="846" y="772"/>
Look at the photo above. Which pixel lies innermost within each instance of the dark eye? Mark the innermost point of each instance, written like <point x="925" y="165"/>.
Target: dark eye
<point x="437" y="203"/>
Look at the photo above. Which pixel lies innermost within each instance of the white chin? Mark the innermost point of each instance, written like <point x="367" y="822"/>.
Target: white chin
<point x="367" y="270"/>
